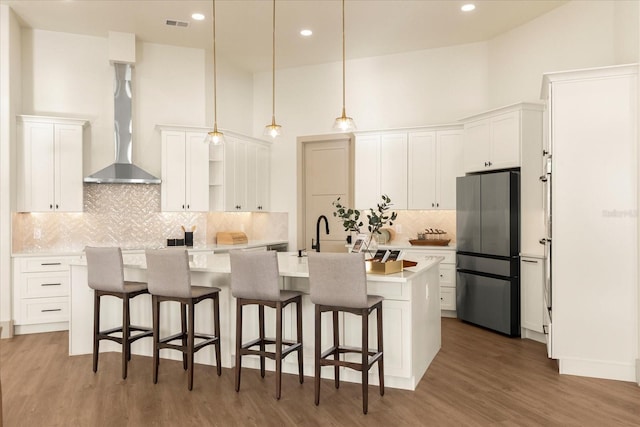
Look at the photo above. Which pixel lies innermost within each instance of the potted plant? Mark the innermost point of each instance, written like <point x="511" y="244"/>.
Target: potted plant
<point x="350" y="218"/>
<point x="379" y="217"/>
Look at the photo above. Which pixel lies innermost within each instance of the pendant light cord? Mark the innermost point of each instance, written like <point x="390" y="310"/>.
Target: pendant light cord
<point x="343" y="63"/>
<point x="273" y="70"/>
<point x="215" y="89"/>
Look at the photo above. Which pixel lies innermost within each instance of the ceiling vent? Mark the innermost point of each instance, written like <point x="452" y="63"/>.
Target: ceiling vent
<point x="176" y="23"/>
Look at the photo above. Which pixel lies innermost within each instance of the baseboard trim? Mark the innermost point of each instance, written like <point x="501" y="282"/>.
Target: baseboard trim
<point x="599" y="369"/>
<point x="39" y="328"/>
<point x="7" y="329"/>
<point x="638" y="371"/>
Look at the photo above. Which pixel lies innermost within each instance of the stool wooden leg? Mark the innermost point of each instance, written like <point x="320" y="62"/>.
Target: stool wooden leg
<point x="216" y="325"/>
<point x="191" y="338"/>
<point x="96" y="329"/>
<point x="299" y="338"/>
<point x="238" y="342"/>
<point x="183" y="320"/>
<point x="365" y="360"/>
<point x="125" y="334"/>
<point x="261" y="332"/>
<point x="278" y="349"/>
<point x="317" y="352"/>
<point x="336" y="344"/>
<point x="380" y="350"/>
<point x="156" y="337"/>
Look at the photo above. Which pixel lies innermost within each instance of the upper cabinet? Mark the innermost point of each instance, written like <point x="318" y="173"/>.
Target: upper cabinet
<point x="243" y="165"/>
<point x="49" y="165"/>
<point x="185" y="169"/>
<point x="416" y="168"/>
<point x="381" y="168"/>
<point x="434" y="164"/>
<point x="492" y="140"/>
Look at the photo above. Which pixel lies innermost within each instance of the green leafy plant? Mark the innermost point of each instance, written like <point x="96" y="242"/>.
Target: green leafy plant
<point x="350" y="217"/>
<point x="381" y="216"/>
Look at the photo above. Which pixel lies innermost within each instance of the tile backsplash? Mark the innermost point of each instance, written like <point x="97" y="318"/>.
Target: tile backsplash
<point x="412" y="222"/>
<point x="128" y="215"/>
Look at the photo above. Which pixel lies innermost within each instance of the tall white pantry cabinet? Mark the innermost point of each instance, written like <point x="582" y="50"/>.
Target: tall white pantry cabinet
<point x="593" y="119"/>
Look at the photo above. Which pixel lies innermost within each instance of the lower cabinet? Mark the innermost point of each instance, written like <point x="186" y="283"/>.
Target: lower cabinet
<point x="447" y="275"/>
<point x="41" y="293"/>
<point x="531" y="294"/>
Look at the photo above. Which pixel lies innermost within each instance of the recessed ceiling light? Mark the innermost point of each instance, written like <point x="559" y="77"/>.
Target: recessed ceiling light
<point x="198" y="16"/>
<point x="468" y="7"/>
<point x="306" y="33"/>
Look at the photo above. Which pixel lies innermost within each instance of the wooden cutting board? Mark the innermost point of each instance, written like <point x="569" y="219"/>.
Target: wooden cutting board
<point x="231" y="238"/>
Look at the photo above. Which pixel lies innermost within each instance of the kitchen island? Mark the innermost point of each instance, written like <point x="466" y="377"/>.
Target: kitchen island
<point x="411" y="315"/>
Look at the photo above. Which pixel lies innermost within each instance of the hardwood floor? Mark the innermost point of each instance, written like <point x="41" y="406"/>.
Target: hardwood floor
<point x="478" y="378"/>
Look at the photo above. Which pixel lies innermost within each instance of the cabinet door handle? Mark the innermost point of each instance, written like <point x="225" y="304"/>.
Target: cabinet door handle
<point x="51" y="284"/>
<point x="529" y="261"/>
<point x="188" y="206"/>
<point x="545" y="152"/>
<point x="51" y="309"/>
<point x="544" y="241"/>
<point x="182" y="206"/>
<point x="50" y="263"/>
<point x="433" y="205"/>
<point x="543" y="178"/>
<point x="545" y="329"/>
<point x="57" y="206"/>
<point x="437" y="205"/>
<point x="490" y="163"/>
<point x="50" y="206"/>
<point x="486" y="164"/>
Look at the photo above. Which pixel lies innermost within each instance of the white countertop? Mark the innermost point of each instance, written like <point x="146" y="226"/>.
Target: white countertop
<point x="289" y="265"/>
<point x="197" y="248"/>
<point x="406" y="245"/>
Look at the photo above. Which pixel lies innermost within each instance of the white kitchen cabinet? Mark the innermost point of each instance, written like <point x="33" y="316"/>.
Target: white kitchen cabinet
<point x="493" y="140"/>
<point x="381" y="168"/>
<point x="434" y="159"/>
<point x="532" y="228"/>
<point x="49" y="155"/>
<point x="185" y="169"/>
<point x="246" y="174"/>
<point x="531" y="293"/>
<point x="41" y="293"/>
<point x="447" y="275"/>
<point x="593" y="129"/>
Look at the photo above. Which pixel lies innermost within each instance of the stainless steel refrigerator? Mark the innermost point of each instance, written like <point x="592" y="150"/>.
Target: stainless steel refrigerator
<point x="488" y="246"/>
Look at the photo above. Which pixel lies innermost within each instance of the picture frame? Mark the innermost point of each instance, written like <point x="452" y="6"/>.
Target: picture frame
<point x="361" y="242"/>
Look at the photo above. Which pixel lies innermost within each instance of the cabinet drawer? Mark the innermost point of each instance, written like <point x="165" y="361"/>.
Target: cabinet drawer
<point x="45" y="285"/>
<point x="417" y="254"/>
<point x="447" y="275"/>
<point x="47" y="264"/>
<point x="447" y="298"/>
<point x="43" y="310"/>
<point x="389" y="290"/>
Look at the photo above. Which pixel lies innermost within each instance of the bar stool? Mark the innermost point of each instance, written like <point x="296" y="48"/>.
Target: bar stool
<point x="254" y="280"/>
<point x="338" y="283"/>
<point x="105" y="276"/>
<point x="169" y="278"/>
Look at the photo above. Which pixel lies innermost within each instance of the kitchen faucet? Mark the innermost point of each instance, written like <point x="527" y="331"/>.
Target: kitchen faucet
<point x="326" y="222"/>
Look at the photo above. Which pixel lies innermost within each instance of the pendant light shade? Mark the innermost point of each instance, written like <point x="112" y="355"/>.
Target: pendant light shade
<point x="344" y="123"/>
<point x="273" y="129"/>
<point x="214" y="137"/>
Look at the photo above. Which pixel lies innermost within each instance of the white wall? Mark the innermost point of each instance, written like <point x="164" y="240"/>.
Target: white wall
<point x="70" y="75"/>
<point x="410" y="89"/>
<point x="10" y="103"/>
<point x="580" y="34"/>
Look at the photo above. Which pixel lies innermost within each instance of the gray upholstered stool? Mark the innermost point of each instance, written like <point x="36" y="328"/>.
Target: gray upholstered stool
<point x="105" y="276"/>
<point x="338" y="282"/>
<point x="169" y="278"/>
<point x="255" y="280"/>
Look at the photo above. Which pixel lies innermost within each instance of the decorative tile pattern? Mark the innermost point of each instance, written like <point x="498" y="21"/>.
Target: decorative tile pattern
<point x="128" y="215"/>
<point x="413" y="222"/>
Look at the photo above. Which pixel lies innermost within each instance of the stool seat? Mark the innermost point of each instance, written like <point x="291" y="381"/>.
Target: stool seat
<point x="255" y="281"/>
<point x="105" y="275"/>
<point x="338" y="283"/>
<point x="169" y="278"/>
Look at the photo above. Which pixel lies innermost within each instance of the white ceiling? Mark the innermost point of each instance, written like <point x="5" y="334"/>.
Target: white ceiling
<point x="244" y="27"/>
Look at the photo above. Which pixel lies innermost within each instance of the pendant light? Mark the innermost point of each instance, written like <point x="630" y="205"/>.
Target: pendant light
<point x="344" y="123"/>
<point x="273" y="130"/>
<point x="214" y="137"/>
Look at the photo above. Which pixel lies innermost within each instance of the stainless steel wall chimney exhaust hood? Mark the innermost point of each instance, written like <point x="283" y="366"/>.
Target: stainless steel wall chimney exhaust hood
<point x="123" y="171"/>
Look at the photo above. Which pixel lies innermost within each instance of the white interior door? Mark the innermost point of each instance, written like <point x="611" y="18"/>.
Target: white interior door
<point x="327" y="175"/>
